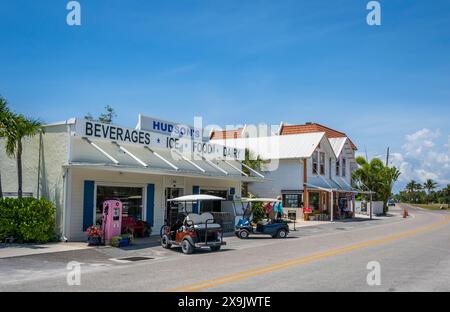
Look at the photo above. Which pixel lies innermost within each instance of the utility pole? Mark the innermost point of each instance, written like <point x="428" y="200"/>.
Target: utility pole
<point x="387" y="158"/>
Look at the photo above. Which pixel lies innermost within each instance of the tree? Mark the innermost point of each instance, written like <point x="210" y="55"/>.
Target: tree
<point x="20" y="127"/>
<point x="253" y="162"/>
<point x="106" y="117"/>
<point x="376" y="177"/>
<point x="413" y="188"/>
<point x="430" y="186"/>
<point x="6" y="120"/>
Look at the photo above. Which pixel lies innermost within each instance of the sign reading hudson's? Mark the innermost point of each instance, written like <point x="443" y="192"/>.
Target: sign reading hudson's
<point x="186" y="146"/>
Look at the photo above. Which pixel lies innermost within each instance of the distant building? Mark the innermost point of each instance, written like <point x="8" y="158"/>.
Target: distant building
<point x="310" y="165"/>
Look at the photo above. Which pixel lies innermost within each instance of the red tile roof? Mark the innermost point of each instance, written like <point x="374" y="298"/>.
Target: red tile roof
<point x="314" y="127"/>
<point x="226" y="134"/>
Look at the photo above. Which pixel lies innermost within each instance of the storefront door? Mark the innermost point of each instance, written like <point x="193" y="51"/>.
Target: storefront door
<point x="172" y="208"/>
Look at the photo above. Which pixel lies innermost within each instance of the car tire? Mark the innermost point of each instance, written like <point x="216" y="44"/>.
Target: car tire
<point x="282" y="233"/>
<point x="215" y="248"/>
<point x="244" y="234"/>
<point x="187" y="247"/>
<point x="165" y="242"/>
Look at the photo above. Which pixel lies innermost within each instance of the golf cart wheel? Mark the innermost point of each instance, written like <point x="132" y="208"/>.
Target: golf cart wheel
<point x="244" y="234"/>
<point x="215" y="248"/>
<point x="165" y="242"/>
<point x="186" y="247"/>
<point x="282" y="233"/>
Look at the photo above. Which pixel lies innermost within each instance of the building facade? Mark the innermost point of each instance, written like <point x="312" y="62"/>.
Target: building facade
<point x="309" y="165"/>
<point x="78" y="164"/>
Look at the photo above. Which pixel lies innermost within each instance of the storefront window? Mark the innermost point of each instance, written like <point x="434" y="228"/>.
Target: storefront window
<point x="293" y="200"/>
<point x="131" y="198"/>
<point x="314" y="200"/>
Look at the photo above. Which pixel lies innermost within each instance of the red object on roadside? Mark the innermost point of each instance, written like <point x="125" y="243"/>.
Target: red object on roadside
<point x="307" y="210"/>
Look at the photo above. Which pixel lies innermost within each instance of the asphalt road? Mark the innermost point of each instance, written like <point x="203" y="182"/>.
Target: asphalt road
<point x="413" y="254"/>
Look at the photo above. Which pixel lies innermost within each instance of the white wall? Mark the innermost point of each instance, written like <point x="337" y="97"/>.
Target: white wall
<point x="288" y="176"/>
<point x="377" y="207"/>
<point x="54" y="155"/>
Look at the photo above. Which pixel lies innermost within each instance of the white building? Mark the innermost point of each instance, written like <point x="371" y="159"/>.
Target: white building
<point x="77" y="164"/>
<point x="310" y="165"/>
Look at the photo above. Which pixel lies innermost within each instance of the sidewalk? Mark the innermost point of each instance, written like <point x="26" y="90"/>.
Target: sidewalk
<point x="17" y="250"/>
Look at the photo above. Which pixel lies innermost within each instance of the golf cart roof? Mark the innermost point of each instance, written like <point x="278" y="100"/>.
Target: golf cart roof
<point x="194" y="198"/>
<point x="263" y="200"/>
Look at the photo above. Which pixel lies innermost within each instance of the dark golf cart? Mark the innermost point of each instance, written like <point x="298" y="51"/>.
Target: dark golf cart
<point x="277" y="228"/>
<point x="192" y="230"/>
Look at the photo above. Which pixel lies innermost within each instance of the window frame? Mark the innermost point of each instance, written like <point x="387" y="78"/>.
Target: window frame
<point x="338" y="166"/>
<point x="322" y="165"/>
<point x="299" y="200"/>
<point x="315" y="163"/>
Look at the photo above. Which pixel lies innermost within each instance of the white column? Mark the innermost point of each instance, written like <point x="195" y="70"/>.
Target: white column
<point x="331" y="206"/>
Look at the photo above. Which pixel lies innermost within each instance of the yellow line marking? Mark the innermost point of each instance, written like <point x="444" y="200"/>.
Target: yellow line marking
<point x="307" y="259"/>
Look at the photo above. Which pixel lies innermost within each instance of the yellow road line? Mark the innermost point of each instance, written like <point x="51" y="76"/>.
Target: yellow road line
<point x="307" y="259"/>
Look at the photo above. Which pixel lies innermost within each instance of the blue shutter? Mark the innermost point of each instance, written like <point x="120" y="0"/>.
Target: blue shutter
<point x="232" y="191"/>
<point x="88" y="204"/>
<point x="195" y="191"/>
<point x="150" y="203"/>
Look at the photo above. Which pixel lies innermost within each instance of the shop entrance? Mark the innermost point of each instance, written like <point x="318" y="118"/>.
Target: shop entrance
<point x="173" y="208"/>
<point x="213" y="206"/>
<point x="131" y="198"/>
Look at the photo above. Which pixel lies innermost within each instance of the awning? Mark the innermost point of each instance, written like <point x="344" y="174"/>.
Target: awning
<point x="142" y="159"/>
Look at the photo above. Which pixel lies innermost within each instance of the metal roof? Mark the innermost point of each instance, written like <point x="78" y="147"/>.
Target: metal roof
<point x="282" y="146"/>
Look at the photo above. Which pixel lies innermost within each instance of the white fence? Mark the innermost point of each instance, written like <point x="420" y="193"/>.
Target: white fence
<point x="363" y="207"/>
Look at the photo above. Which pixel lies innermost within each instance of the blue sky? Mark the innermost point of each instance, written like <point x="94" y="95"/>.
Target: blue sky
<point x="238" y="62"/>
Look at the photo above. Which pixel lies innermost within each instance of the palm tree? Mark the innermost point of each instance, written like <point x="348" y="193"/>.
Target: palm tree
<point x="377" y="177"/>
<point x="413" y="188"/>
<point x="6" y="120"/>
<point x="430" y="186"/>
<point x="20" y="128"/>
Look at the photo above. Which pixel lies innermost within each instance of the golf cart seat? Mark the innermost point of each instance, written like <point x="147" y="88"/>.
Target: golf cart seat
<point x="199" y="221"/>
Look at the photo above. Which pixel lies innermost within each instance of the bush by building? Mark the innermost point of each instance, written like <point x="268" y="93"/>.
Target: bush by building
<point x="27" y="220"/>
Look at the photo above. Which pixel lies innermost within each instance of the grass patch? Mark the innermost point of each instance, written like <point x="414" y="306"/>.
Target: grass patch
<point x="432" y="206"/>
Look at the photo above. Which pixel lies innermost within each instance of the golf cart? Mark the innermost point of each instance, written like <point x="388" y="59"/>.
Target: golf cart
<point x="191" y="230"/>
<point x="277" y="228"/>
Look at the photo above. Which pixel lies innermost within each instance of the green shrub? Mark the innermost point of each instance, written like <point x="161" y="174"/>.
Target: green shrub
<point x="115" y="241"/>
<point x="258" y="212"/>
<point x="8" y="218"/>
<point x="27" y="219"/>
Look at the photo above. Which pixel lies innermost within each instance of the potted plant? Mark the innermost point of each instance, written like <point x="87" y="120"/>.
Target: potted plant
<point x="94" y="234"/>
<point x="122" y="241"/>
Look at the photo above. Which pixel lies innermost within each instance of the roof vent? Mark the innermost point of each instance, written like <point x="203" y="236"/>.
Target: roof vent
<point x="309" y="123"/>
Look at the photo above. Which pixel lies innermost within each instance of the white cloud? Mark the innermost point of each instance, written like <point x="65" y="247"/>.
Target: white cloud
<point x="424" y="156"/>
